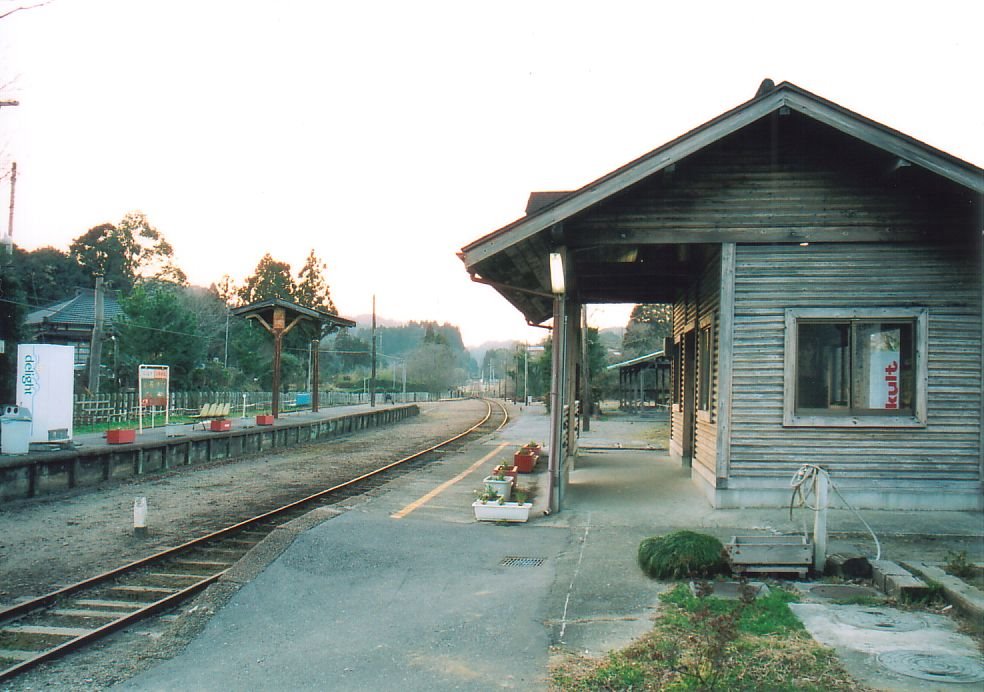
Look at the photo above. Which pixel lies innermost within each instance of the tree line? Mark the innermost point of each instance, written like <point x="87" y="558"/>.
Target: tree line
<point x="165" y="320"/>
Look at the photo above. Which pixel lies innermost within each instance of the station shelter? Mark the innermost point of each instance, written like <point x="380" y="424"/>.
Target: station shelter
<point x="824" y="272"/>
<point x="644" y="382"/>
<point x="278" y="317"/>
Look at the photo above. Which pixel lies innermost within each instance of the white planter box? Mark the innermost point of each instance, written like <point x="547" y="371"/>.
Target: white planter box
<point x="507" y="511"/>
<point x="503" y="488"/>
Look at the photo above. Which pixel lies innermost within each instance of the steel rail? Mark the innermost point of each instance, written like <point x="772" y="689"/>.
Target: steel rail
<point x="110" y="627"/>
<point x="42" y="602"/>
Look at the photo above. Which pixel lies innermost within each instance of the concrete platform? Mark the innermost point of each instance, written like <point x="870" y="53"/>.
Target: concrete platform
<point x="407" y="591"/>
<point x="90" y="460"/>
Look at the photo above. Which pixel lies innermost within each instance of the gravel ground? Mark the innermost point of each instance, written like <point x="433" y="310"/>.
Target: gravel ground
<point x="54" y="541"/>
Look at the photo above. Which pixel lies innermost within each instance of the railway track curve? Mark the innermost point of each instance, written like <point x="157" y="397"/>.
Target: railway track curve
<point x="75" y="616"/>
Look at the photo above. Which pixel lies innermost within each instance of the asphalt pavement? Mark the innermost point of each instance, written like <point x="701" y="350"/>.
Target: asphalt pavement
<point x="405" y="590"/>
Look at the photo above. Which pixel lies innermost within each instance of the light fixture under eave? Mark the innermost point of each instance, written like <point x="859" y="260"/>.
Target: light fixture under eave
<point x="557" y="273"/>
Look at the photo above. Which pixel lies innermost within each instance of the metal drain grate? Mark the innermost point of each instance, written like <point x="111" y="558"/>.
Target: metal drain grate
<point x="513" y="561"/>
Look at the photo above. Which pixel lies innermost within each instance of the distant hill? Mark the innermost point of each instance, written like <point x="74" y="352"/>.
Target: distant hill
<point x="478" y="352"/>
<point x="365" y="321"/>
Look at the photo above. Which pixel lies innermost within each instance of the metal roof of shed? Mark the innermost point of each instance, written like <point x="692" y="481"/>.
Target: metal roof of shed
<point x="649" y="357"/>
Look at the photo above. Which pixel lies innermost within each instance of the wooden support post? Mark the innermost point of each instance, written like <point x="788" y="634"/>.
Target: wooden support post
<point x="315" y="379"/>
<point x="559" y="338"/>
<point x="585" y="372"/>
<point x="275" y="394"/>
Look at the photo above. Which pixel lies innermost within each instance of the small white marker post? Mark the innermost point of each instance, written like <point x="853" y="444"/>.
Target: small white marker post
<point x="820" y="488"/>
<point x="140" y="516"/>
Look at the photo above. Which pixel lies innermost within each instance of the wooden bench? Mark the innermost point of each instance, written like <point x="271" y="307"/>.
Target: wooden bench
<point x="211" y="412"/>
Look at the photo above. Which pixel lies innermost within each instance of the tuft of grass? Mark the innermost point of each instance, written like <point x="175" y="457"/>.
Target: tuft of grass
<point x="960" y="566"/>
<point x="681" y="554"/>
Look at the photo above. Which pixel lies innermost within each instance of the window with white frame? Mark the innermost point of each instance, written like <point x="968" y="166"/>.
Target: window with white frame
<point x="862" y="367"/>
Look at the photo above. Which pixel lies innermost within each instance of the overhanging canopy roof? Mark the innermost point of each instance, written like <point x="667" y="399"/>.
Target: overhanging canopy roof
<point x="513" y="259"/>
<point x="265" y="309"/>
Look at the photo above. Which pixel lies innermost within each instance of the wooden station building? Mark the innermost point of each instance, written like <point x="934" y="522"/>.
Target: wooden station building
<point x="825" y="277"/>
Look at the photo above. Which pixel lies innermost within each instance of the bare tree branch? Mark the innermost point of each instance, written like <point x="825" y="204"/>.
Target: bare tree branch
<point x="6" y="14"/>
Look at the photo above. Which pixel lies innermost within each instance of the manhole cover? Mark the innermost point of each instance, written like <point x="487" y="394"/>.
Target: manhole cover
<point x="881" y="619"/>
<point x="513" y="561"/>
<point x="839" y="591"/>
<point x="932" y="666"/>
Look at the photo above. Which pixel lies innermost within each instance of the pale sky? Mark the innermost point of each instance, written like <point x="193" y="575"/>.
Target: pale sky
<point x="386" y="135"/>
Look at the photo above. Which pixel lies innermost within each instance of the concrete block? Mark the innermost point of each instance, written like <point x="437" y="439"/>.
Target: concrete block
<point x="966" y="598"/>
<point x="897" y="581"/>
<point x="848" y="565"/>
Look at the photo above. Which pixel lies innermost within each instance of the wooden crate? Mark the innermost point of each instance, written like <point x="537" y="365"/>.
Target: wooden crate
<point x="770" y="553"/>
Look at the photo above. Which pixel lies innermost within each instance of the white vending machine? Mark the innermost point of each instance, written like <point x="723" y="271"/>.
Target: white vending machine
<point x="46" y="387"/>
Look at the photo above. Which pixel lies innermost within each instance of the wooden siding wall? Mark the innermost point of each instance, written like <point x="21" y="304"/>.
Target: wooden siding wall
<point x="787" y="176"/>
<point x="700" y="299"/>
<point x="684" y="318"/>
<point x="708" y="301"/>
<point x="943" y="278"/>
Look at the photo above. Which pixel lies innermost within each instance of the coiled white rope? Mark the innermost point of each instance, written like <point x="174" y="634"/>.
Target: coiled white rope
<point x="806" y="476"/>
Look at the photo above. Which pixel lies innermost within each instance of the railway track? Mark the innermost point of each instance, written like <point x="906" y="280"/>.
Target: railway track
<point x="74" y="616"/>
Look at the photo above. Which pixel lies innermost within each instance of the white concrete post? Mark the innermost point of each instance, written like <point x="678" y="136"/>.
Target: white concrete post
<point x="140" y="516"/>
<point x="820" y="487"/>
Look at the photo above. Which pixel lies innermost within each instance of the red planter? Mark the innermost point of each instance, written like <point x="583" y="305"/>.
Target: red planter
<point x="524" y="461"/>
<point x="121" y="437"/>
<point x="264" y="420"/>
<point x="220" y="425"/>
<point x="509" y="471"/>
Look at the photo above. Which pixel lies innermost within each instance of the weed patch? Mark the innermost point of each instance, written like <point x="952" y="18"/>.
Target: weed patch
<point x="960" y="566"/>
<point x="705" y="643"/>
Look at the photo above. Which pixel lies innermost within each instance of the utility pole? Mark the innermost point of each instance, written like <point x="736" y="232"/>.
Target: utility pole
<point x="225" y="362"/>
<point x="95" y="348"/>
<point x="372" y="380"/>
<point x="8" y="311"/>
<point x="9" y="242"/>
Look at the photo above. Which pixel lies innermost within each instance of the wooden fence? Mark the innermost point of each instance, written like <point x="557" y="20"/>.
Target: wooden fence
<point x="124" y="406"/>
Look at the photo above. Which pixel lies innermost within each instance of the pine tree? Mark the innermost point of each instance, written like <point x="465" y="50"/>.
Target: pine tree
<point x="270" y="279"/>
<point x="312" y="289"/>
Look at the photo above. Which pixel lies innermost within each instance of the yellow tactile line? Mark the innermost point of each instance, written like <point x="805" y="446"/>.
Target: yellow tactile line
<point x="420" y="502"/>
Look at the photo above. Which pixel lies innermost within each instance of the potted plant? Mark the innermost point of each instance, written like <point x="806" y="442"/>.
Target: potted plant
<point x="490" y="506"/>
<point x="525" y="460"/>
<point x="507" y="471"/>
<point x="500" y="484"/>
